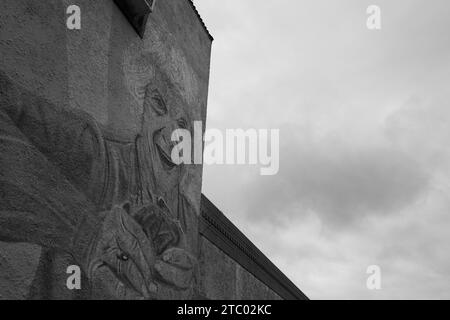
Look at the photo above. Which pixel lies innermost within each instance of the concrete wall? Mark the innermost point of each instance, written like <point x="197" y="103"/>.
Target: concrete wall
<point x="223" y="278"/>
<point x="103" y="69"/>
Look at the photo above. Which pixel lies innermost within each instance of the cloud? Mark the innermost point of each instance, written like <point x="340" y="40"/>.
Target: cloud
<point x="364" y="159"/>
<point x="339" y="181"/>
<point x="421" y="128"/>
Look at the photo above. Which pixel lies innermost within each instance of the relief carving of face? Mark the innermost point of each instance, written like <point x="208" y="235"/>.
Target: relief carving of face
<point x="160" y="107"/>
<point x="162" y="115"/>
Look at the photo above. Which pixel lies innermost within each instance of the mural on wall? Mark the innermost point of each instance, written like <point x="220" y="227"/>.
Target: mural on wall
<point x="68" y="186"/>
<point x="86" y="176"/>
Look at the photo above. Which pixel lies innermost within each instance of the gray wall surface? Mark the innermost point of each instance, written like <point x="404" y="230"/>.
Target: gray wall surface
<point x="222" y="278"/>
<point x="106" y="72"/>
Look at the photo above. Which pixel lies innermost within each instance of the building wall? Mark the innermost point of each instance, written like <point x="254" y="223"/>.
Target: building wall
<point x="221" y="277"/>
<point x="232" y="267"/>
<point x="104" y="70"/>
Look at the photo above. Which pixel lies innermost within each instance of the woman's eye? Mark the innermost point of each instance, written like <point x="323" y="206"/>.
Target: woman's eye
<point x="159" y="106"/>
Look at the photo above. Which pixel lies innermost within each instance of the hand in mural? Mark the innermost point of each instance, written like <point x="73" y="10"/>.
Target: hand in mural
<point x="175" y="274"/>
<point x="175" y="267"/>
<point x="122" y="259"/>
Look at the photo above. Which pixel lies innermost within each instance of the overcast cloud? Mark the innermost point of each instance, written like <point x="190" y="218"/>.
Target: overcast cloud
<point x="364" y="130"/>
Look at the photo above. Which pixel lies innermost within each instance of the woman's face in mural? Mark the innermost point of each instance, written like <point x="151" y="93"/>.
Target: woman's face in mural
<point x="161" y="109"/>
<point x="162" y="116"/>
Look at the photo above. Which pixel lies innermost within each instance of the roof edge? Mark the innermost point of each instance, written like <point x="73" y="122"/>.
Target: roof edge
<point x="201" y="20"/>
<point x="220" y="231"/>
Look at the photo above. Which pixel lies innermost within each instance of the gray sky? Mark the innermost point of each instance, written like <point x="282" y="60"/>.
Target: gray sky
<point x="364" y="130"/>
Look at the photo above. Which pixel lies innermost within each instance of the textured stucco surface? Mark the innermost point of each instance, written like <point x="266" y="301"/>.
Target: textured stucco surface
<point x="223" y="278"/>
<point x="101" y="70"/>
